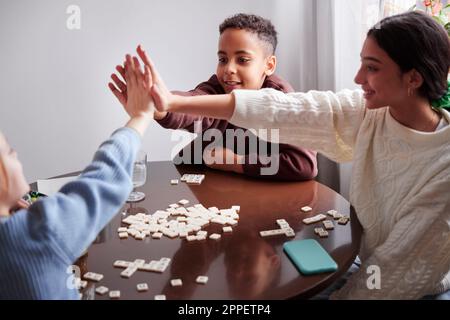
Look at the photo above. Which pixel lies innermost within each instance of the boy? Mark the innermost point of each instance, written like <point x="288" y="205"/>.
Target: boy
<point x="246" y="57"/>
<point x="39" y="244"/>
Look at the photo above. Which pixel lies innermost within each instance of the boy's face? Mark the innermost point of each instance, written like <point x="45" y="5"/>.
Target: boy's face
<point x="12" y="181"/>
<point x="244" y="60"/>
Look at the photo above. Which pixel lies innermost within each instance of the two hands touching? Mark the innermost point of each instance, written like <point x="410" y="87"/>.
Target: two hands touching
<point x="135" y="96"/>
<point x="153" y="86"/>
<point x="144" y="96"/>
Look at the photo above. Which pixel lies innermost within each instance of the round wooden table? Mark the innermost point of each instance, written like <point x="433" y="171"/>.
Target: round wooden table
<point x="242" y="264"/>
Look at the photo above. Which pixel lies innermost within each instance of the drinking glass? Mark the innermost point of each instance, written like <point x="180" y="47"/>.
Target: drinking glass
<point x="139" y="176"/>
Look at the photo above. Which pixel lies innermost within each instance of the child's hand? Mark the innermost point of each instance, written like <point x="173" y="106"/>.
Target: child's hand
<point x="139" y="102"/>
<point x="162" y="97"/>
<point x="217" y="159"/>
<point x="120" y="90"/>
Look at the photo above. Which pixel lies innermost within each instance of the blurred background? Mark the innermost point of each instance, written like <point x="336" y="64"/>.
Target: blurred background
<point x="56" y="108"/>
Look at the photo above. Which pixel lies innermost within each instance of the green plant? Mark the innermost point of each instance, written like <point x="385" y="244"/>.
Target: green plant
<point x="439" y="13"/>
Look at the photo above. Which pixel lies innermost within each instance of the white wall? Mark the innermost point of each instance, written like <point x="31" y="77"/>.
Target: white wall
<point x="55" y="107"/>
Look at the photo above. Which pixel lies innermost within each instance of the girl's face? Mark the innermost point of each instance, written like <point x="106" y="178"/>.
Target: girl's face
<point x="12" y="180"/>
<point x="381" y="78"/>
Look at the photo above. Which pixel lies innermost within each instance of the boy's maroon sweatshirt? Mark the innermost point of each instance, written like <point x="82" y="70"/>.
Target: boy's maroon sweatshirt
<point x="295" y="164"/>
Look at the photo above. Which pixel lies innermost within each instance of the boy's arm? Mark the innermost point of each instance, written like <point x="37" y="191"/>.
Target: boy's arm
<point x="167" y="119"/>
<point x="188" y="121"/>
<point x="325" y="121"/>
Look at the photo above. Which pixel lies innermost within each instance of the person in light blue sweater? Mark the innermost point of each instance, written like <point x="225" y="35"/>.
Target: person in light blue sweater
<point x="39" y="243"/>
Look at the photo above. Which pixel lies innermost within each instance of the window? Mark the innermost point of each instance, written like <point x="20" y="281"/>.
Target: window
<point x="391" y="7"/>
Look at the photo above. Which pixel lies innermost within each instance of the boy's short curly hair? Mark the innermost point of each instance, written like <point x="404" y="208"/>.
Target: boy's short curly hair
<point x="263" y="28"/>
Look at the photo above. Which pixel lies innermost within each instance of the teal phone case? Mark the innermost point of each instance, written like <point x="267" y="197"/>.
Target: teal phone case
<point x="309" y="256"/>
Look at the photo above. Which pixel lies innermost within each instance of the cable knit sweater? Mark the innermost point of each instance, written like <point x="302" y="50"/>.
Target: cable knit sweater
<point x="399" y="186"/>
<point x="290" y="163"/>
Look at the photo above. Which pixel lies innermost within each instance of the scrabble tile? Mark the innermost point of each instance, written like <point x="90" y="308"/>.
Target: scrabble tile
<point x="202" y="279"/>
<point x="176" y="282"/>
<point x="323" y="234"/>
<point x="270" y="233"/>
<point x="337" y="216"/>
<point x="215" y="236"/>
<point x="202" y="233"/>
<point x="147" y="267"/>
<point x="160" y="297"/>
<point x="314" y="219"/>
<point x="328" y="225"/>
<point x="121" y="264"/>
<point x="318" y="230"/>
<point x="343" y="220"/>
<point x="183" y="202"/>
<point x="183" y="234"/>
<point x="174" y="181"/>
<point x="188" y="220"/>
<point x="191" y="238"/>
<point x="306" y="209"/>
<point x="123" y="235"/>
<point x="165" y="260"/>
<point x="93" y="276"/>
<point x="101" y="290"/>
<point x="157" y="235"/>
<point x="227" y="229"/>
<point x="236" y="208"/>
<point x="231" y="222"/>
<point x="289" y="232"/>
<point x="128" y="272"/>
<point x="139" y="263"/>
<point x="140" y="236"/>
<point x="283" y="224"/>
<point x="141" y="287"/>
<point x="115" y="294"/>
<point x="332" y="212"/>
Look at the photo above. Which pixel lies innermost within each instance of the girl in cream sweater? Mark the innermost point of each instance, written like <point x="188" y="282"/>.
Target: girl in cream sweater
<point x="395" y="130"/>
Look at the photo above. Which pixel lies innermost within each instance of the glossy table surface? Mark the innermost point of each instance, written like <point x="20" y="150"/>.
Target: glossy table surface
<point x="240" y="265"/>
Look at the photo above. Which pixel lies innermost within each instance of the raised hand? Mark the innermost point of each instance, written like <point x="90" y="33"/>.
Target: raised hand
<point x="162" y="97"/>
<point x="135" y="95"/>
<point x="139" y="102"/>
<point x="120" y="88"/>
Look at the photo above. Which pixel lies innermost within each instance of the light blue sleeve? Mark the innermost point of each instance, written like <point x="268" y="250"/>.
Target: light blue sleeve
<point x="70" y="220"/>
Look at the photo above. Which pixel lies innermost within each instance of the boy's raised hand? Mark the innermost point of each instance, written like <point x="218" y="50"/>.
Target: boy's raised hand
<point x="135" y="97"/>
<point x="162" y="97"/>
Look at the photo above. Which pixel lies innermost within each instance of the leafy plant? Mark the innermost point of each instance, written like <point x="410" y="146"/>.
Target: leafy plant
<point x="439" y="13"/>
